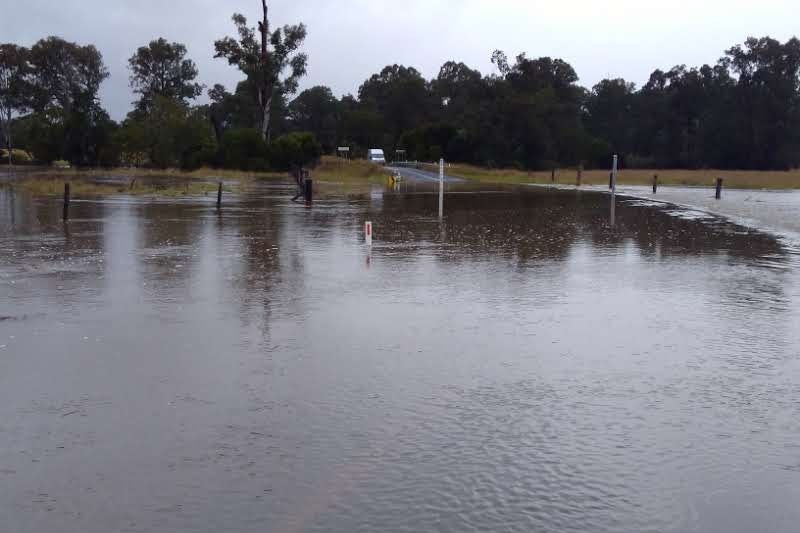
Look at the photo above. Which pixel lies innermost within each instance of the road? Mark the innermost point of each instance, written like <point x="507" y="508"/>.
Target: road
<point x="413" y="174"/>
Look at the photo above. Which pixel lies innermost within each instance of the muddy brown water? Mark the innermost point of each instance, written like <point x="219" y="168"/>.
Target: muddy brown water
<point x="522" y="365"/>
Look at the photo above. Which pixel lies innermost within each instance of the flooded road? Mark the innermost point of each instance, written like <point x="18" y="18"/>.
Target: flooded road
<point x="527" y="364"/>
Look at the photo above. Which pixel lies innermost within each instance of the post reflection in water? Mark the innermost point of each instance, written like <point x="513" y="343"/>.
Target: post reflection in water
<point x="612" y="217"/>
<point x="539" y="360"/>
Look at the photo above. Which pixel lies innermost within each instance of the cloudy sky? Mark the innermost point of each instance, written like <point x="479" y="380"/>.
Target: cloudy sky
<point x="348" y="40"/>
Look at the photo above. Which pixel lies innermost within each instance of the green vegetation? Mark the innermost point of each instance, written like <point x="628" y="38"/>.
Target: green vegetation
<point x="18" y="157"/>
<point x="529" y="114"/>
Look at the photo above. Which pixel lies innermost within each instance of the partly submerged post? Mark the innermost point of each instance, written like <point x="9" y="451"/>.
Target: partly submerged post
<point x="614" y="174"/>
<point x="219" y="196"/>
<point x="580" y="175"/>
<point x="308" y="190"/>
<point x="612" y="216"/>
<point x="66" y="201"/>
<point x="655" y="183"/>
<point x="441" y="188"/>
<point x="368" y="233"/>
<point x="719" y="188"/>
<point x="553" y="175"/>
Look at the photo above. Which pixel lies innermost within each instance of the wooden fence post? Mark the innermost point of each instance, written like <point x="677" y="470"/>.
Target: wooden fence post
<point x="308" y="190"/>
<point x="66" y="201"/>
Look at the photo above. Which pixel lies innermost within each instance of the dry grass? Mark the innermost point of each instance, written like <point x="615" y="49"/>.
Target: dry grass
<point x="733" y="178"/>
<point x="201" y="173"/>
<point x="136" y="181"/>
<point x="38" y="186"/>
<point x="337" y="175"/>
<point x="332" y="176"/>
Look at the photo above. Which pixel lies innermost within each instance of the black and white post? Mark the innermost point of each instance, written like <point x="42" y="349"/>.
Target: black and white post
<point x="441" y="188"/>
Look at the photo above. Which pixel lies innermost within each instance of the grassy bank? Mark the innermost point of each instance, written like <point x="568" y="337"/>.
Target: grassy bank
<point x="85" y="186"/>
<point x="45" y="181"/>
<point x="705" y="178"/>
<point x="337" y="174"/>
<point x="332" y="176"/>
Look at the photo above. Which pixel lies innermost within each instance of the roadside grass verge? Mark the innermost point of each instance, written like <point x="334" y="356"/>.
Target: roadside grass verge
<point x="741" y="179"/>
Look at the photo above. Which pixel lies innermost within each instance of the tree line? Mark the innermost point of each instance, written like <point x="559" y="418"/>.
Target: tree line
<point x="743" y="112"/>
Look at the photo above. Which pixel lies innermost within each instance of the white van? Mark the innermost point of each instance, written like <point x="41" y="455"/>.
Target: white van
<point x="376" y="156"/>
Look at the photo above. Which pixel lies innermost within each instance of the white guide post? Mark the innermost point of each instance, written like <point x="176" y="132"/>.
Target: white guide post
<point x="614" y="174"/>
<point x="441" y="188"/>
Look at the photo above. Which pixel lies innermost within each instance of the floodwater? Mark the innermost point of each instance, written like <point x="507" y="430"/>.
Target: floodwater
<point x="526" y="364"/>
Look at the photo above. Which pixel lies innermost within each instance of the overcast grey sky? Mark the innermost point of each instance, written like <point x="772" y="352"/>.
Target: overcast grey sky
<point x="348" y="40"/>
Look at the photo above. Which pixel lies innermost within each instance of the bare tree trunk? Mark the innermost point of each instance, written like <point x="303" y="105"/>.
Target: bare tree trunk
<point x="266" y="131"/>
<point x="265" y="90"/>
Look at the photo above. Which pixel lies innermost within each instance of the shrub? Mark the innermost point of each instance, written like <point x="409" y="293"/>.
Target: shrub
<point x="18" y="157"/>
<point x="297" y="149"/>
<point x="243" y="149"/>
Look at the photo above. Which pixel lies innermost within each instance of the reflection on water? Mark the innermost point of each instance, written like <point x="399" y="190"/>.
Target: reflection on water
<point x="537" y="360"/>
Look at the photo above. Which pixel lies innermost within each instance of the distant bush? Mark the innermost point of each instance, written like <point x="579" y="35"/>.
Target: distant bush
<point x="18" y="157"/>
<point x="294" y="150"/>
<point x="243" y="149"/>
<point x="639" y="161"/>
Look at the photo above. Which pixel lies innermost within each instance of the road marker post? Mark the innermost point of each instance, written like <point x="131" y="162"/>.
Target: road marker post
<point x="66" y="202"/>
<point x="368" y="233"/>
<point x="719" y="189"/>
<point x="308" y="190"/>
<point x="614" y="174"/>
<point x="655" y="183"/>
<point x="441" y="188"/>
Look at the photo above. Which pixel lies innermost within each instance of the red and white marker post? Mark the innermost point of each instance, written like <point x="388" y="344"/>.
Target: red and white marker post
<point x="368" y="233"/>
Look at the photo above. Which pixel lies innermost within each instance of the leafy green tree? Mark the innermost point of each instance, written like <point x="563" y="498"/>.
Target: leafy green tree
<point x="66" y="80"/>
<point x="14" y="87"/>
<point x="243" y="149"/>
<point x="316" y="110"/>
<point x="296" y="149"/>
<point x="768" y="99"/>
<point x="361" y="126"/>
<point x="401" y="96"/>
<point x="171" y="134"/>
<point x="609" y="113"/>
<point x="161" y="69"/>
<point x="263" y="60"/>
